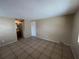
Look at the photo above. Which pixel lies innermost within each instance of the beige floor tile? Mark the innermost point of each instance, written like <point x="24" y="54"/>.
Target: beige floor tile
<point x="44" y="57"/>
<point x="35" y="54"/>
<point x="47" y="52"/>
<point x="56" y="57"/>
<point x="40" y="49"/>
<point x="29" y="50"/>
<point x="23" y="55"/>
<point x="35" y="48"/>
<point x="6" y="54"/>
<point x="29" y="57"/>
<point x="11" y="56"/>
<point x="18" y="51"/>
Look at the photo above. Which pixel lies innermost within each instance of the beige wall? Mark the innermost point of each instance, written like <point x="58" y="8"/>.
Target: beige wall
<point x="7" y="30"/>
<point x="75" y="34"/>
<point x="57" y="29"/>
<point x="27" y="29"/>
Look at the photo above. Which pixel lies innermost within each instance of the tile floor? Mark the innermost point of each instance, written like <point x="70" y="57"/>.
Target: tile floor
<point x="34" y="48"/>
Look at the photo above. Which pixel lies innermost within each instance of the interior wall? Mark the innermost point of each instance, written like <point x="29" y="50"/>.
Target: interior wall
<point x="27" y="28"/>
<point x="75" y="37"/>
<point x="7" y="31"/>
<point x="57" y="29"/>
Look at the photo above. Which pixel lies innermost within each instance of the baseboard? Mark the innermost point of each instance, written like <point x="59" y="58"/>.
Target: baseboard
<point x="27" y="36"/>
<point x="47" y="39"/>
<point x="4" y="44"/>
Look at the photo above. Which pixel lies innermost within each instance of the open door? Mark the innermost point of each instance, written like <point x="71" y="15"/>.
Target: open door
<point x="19" y="28"/>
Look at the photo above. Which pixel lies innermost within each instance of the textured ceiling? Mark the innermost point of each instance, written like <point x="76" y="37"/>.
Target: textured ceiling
<point x="36" y="9"/>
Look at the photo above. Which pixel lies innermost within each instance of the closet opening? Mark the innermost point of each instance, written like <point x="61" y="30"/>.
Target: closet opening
<point x="19" y="28"/>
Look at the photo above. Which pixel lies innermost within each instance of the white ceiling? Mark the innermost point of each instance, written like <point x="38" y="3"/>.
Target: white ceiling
<point x="36" y="9"/>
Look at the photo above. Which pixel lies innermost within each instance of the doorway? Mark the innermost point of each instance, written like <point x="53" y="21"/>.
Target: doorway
<point x="19" y="28"/>
<point x="33" y="28"/>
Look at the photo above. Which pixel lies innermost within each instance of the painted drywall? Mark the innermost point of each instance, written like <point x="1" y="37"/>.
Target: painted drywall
<point x="7" y="31"/>
<point x="75" y="35"/>
<point x="57" y="29"/>
<point x="27" y="28"/>
<point x="33" y="28"/>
